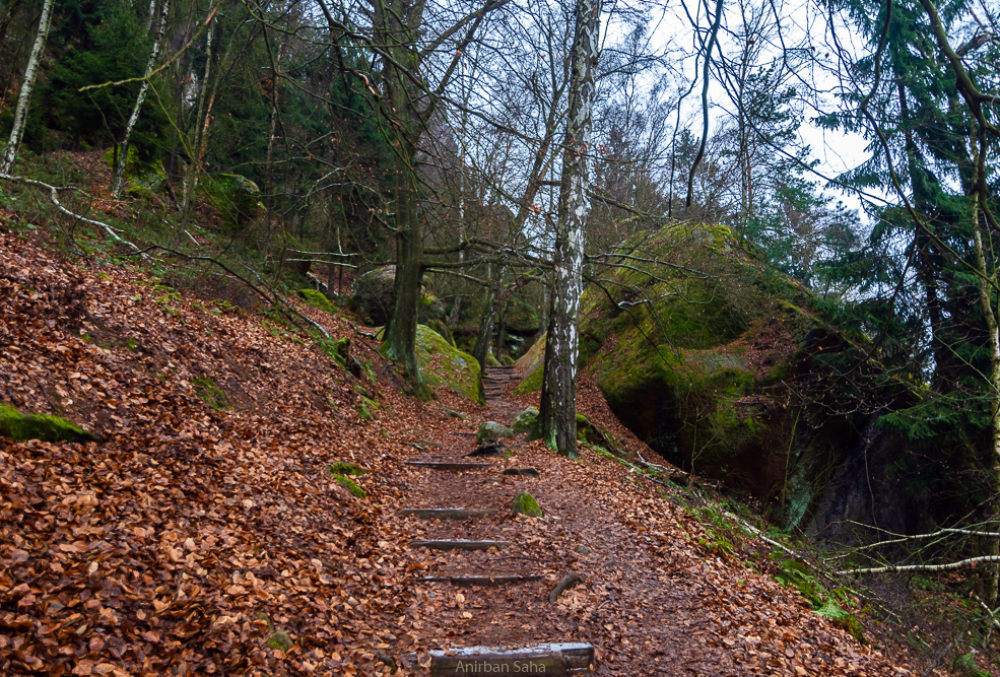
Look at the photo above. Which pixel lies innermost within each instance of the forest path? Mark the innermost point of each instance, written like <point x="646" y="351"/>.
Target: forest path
<point x="649" y="602"/>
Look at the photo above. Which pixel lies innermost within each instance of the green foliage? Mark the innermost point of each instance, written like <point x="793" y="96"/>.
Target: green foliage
<point x="19" y="426"/>
<point x="210" y="393"/>
<point x="829" y="604"/>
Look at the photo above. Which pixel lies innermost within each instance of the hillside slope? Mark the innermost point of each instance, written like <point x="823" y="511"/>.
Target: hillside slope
<point x="203" y="534"/>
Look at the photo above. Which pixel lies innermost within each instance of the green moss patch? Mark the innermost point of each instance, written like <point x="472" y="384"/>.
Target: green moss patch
<point x="316" y="300"/>
<point x="525" y="504"/>
<point x="346" y="468"/>
<point x="349" y="484"/>
<point x="19" y="426"/>
<point x="442" y="364"/>
<point x="531" y="365"/>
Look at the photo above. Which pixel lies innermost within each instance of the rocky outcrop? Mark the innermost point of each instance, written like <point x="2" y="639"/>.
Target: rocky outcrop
<point x="721" y="366"/>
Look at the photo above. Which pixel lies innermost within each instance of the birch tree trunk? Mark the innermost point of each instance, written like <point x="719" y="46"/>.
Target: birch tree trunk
<point x="30" y="73"/>
<point x="118" y="181"/>
<point x="558" y="406"/>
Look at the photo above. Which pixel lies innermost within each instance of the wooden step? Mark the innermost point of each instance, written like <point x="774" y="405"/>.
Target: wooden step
<point x="552" y="658"/>
<point x="458" y="544"/>
<point x="498" y="579"/>
<point x="447" y="513"/>
<point x="524" y="472"/>
<point x="449" y="465"/>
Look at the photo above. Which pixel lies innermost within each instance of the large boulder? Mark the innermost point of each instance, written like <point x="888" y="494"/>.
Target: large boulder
<point x="443" y="365"/>
<point x="375" y="295"/>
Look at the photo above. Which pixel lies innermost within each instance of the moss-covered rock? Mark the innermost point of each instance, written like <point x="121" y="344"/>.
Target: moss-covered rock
<point x="491" y="432"/>
<point x="317" y="300"/>
<point x="19" y="426"/>
<point x="526" y="422"/>
<point x="442" y="364"/>
<point x="525" y="504"/>
<point x="531" y="364"/>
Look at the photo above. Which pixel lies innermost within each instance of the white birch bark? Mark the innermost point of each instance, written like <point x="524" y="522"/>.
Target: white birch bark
<point x="118" y="180"/>
<point x="23" y="97"/>
<point x="558" y="410"/>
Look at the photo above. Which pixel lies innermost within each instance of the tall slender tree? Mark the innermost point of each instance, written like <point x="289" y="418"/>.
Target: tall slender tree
<point x="557" y="415"/>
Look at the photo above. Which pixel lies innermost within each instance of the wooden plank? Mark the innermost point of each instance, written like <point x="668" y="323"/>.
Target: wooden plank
<point x="485" y="580"/>
<point x="447" y="513"/>
<point x="458" y="544"/>
<point x="526" y="472"/>
<point x="552" y="658"/>
<point x="449" y="465"/>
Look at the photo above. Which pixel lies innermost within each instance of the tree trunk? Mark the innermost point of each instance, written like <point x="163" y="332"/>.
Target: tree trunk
<point x="118" y="181"/>
<point x="986" y="282"/>
<point x="23" y="97"/>
<point x="189" y="189"/>
<point x="558" y="405"/>
<point x="401" y="333"/>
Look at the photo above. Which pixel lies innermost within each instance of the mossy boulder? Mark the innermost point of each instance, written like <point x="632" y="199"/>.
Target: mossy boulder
<point x="491" y="432"/>
<point x="18" y="426"/>
<point x="525" y="504"/>
<point x="526" y="422"/>
<point x="280" y="640"/>
<point x="442" y="364"/>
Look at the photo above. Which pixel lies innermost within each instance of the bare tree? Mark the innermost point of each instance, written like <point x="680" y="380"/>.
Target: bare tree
<point x="24" y="97"/>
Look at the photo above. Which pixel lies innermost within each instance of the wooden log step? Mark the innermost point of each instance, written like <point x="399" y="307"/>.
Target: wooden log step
<point x="449" y="465"/>
<point x="447" y="513"/>
<point x="458" y="544"/>
<point x="526" y="472"/>
<point x="499" y="579"/>
<point x="552" y="658"/>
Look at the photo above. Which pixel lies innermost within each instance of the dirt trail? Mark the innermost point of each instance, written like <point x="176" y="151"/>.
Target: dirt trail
<point x="649" y="602"/>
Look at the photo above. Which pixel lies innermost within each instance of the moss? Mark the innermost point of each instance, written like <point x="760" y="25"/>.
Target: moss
<point x="19" y="426"/>
<point x="526" y="422"/>
<point x="491" y="360"/>
<point x="346" y="468"/>
<point x="338" y="350"/>
<point x="367" y="407"/>
<point x="525" y="504"/>
<point x="280" y="640"/>
<point x="210" y="393"/>
<point x="317" y="300"/>
<point x="441" y="364"/>
<point x="531" y="364"/>
<point x="350" y="485"/>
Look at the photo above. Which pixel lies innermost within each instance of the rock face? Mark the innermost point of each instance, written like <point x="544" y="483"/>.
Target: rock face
<point x="719" y="365"/>
<point x="374" y="293"/>
<point x="442" y="364"/>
